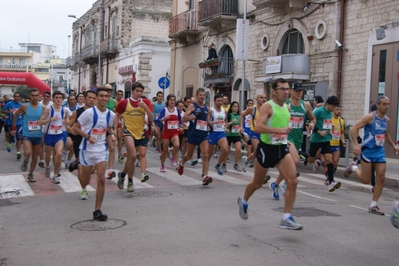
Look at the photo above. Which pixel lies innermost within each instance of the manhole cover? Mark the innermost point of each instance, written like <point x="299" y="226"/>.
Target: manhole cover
<point x="91" y="225"/>
<point x="307" y="212"/>
<point x="153" y="194"/>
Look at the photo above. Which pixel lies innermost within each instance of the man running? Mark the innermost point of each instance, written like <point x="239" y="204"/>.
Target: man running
<point x="159" y="105"/>
<point x="93" y="149"/>
<point x="31" y="131"/>
<point x="9" y="109"/>
<point x="273" y="125"/>
<point x="197" y="113"/>
<point x="46" y="101"/>
<point x="134" y="111"/>
<point x="54" y="117"/>
<point x="111" y="104"/>
<point x="119" y="97"/>
<point x="226" y="104"/>
<point x="376" y="127"/>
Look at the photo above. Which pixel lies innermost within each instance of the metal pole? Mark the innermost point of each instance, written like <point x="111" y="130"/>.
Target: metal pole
<point x="243" y="67"/>
<point x="51" y="77"/>
<point x="69" y="38"/>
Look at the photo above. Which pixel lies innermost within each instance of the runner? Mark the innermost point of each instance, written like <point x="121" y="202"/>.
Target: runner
<point x="81" y="100"/>
<point x="93" y="149"/>
<point x="273" y="124"/>
<point x="54" y="117"/>
<point x="197" y="113"/>
<point x="68" y="149"/>
<point x="158" y="106"/>
<point x="119" y="97"/>
<point x="111" y="104"/>
<point x="171" y="118"/>
<point x="376" y="127"/>
<point x="246" y="133"/>
<point x="46" y="101"/>
<point x="134" y="110"/>
<point x="226" y="105"/>
<point x="217" y="120"/>
<point x="233" y="137"/>
<point x="9" y="109"/>
<point x="320" y="139"/>
<point x="31" y="131"/>
<point x="183" y="135"/>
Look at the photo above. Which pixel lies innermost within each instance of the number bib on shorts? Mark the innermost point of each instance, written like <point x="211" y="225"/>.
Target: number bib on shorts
<point x="380" y="140"/>
<point x="279" y="139"/>
<point x="99" y="133"/>
<point x="201" y="125"/>
<point x="55" y="130"/>
<point x="296" y="122"/>
<point x="33" y="125"/>
<point x="173" y="124"/>
<point x="327" y="124"/>
<point x="234" y="129"/>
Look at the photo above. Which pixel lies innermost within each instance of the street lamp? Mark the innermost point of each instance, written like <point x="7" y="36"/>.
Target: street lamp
<point x="67" y="88"/>
<point x="99" y="54"/>
<point x="51" y="73"/>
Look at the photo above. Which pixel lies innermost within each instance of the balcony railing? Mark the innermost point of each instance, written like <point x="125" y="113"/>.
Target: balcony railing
<point x="292" y="4"/>
<point x="225" y="69"/>
<point x="15" y="67"/>
<point x="108" y="46"/>
<point x="76" y="58"/>
<point x="212" y="8"/>
<point x="183" y="22"/>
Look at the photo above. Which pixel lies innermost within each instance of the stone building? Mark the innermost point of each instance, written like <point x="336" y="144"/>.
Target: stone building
<point x="119" y="42"/>
<point x="330" y="46"/>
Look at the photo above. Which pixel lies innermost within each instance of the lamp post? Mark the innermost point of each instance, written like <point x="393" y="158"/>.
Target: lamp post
<point x="51" y="73"/>
<point x="99" y="54"/>
<point x="67" y="76"/>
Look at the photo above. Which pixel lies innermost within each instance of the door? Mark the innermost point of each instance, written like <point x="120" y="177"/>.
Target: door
<point x="385" y="81"/>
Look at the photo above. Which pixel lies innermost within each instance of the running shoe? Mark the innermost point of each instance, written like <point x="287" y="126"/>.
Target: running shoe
<point x="348" y="169"/>
<point x="162" y="169"/>
<point x="121" y="180"/>
<point x="244" y="163"/>
<point x="84" y="195"/>
<point x="224" y="168"/>
<point x="290" y="224"/>
<point x="111" y="174"/>
<point x="120" y="159"/>
<point x="41" y="164"/>
<point x="74" y="165"/>
<point x="24" y="166"/>
<point x="219" y="169"/>
<point x="173" y="162"/>
<point x="200" y="160"/>
<point x="333" y="186"/>
<point x="273" y="186"/>
<point x="64" y="155"/>
<point x="298" y="174"/>
<point x="56" y="179"/>
<point x="47" y="172"/>
<point x="180" y="168"/>
<point x="316" y="165"/>
<point x="375" y="210"/>
<point x="237" y="168"/>
<point x="242" y="209"/>
<point x="194" y="162"/>
<point x="215" y="155"/>
<point x="137" y="163"/>
<point x="9" y="147"/>
<point x="67" y="163"/>
<point x="206" y="180"/>
<point x="99" y="216"/>
<point x="267" y="178"/>
<point x="130" y="186"/>
<point x="283" y="188"/>
<point x="19" y="155"/>
<point x="144" y="178"/>
<point x="31" y="178"/>
<point x="251" y="164"/>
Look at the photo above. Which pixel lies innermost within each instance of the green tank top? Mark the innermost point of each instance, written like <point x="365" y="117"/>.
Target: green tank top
<point x="279" y="119"/>
<point x="297" y="120"/>
<point x="233" y="129"/>
<point x="111" y="104"/>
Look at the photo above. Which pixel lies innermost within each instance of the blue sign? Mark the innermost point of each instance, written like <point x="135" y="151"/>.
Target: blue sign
<point x="164" y="83"/>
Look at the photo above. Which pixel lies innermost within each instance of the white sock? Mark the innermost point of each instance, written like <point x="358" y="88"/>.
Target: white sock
<point x="373" y="204"/>
<point x="353" y="168"/>
<point x="286" y="216"/>
<point x="243" y="201"/>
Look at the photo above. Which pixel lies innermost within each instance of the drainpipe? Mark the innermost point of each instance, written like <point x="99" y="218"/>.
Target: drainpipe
<point x="341" y="50"/>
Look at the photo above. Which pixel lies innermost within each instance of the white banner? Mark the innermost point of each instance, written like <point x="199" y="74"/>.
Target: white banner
<point x="242" y="37"/>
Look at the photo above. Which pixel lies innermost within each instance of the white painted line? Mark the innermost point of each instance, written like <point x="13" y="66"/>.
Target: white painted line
<point x="12" y="186"/>
<point x="70" y="183"/>
<point x="136" y="182"/>
<point x="357" y="207"/>
<point x="314" y="196"/>
<point x="224" y="177"/>
<point x="173" y="176"/>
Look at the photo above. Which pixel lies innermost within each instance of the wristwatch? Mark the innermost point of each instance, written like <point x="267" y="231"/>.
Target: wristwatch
<point x="87" y="137"/>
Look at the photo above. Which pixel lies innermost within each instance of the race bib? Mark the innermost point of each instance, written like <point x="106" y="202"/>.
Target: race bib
<point x="156" y="116"/>
<point x="335" y="135"/>
<point x="33" y="125"/>
<point x="173" y="124"/>
<point x="14" y="110"/>
<point x="279" y="139"/>
<point x="220" y="124"/>
<point x="327" y="124"/>
<point x="234" y="129"/>
<point x="380" y="140"/>
<point x="247" y="122"/>
<point x="55" y="129"/>
<point x="296" y="122"/>
<point x="201" y="125"/>
<point x="99" y="133"/>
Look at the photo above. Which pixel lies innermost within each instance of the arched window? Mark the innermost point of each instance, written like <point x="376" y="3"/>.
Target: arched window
<point x="294" y="43"/>
<point x="226" y="58"/>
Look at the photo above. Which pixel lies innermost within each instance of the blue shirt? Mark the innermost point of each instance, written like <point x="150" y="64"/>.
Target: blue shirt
<point x="30" y="127"/>
<point x="374" y="133"/>
<point x="13" y="107"/>
<point x="157" y="109"/>
<point x="199" y="126"/>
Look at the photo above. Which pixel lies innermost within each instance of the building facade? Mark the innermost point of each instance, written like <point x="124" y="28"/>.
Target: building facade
<point x="331" y="47"/>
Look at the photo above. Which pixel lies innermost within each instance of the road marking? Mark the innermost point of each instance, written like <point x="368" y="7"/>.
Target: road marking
<point x="12" y="186"/>
<point x="70" y="183"/>
<point x="357" y="207"/>
<point x="314" y="196"/>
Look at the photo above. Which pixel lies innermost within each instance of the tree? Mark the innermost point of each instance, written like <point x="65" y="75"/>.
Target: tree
<point x="23" y="90"/>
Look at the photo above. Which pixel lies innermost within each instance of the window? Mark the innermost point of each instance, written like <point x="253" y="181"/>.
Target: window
<point x="22" y="61"/>
<point x="42" y="70"/>
<point x="34" y="48"/>
<point x="1" y="61"/>
<point x="226" y="61"/>
<point x="61" y="78"/>
<point x="294" y="43"/>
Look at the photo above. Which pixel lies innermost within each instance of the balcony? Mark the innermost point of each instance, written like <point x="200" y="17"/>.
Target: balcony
<point x="14" y="67"/>
<point x="222" y="73"/>
<point x="218" y="13"/>
<point x="184" y="27"/>
<point x="89" y="54"/>
<point x="280" y="5"/>
<point x="76" y="58"/>
<point x="109" y="48"/>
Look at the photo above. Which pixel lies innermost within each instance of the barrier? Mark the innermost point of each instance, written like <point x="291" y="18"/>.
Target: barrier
<point x="24" y="78"/>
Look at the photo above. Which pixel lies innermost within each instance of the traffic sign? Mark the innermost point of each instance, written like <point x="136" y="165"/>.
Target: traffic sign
<point x="164" y="83"/>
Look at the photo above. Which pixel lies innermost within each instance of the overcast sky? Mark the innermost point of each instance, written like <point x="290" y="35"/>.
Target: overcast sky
<point x="39" y="21"/>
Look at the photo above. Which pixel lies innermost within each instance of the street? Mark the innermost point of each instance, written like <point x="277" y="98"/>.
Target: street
<point x="174" y="220"/>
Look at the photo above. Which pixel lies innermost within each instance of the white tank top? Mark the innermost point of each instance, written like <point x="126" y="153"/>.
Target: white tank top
<point x="56" y="127"/>
<point x="221" y="118"/>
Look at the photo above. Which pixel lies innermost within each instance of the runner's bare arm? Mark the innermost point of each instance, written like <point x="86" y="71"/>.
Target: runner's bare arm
<point x="187" y="115"/>
<point x="310" y="115"/>
<point x="44" y="120"/>
<point x="354" y="131"/>
<point x="116" y="119"/>
<point x="21" y="110"/>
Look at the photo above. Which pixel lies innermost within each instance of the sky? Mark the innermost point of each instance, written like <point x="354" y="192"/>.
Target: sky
<point x="39" y="21"/>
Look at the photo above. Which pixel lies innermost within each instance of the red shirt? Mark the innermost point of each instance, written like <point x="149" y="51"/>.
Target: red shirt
<point x="120" y="109"/>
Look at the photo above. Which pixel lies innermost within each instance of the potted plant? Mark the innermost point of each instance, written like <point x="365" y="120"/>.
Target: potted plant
<point x="202" y="65"/>
<point x="212" y="62"/>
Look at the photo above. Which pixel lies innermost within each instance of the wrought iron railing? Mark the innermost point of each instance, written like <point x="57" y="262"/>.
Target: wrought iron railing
<point x="211" y="8"/>
<point x="183" y="21"/>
